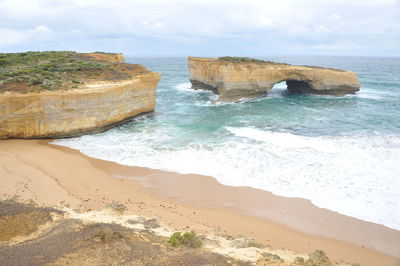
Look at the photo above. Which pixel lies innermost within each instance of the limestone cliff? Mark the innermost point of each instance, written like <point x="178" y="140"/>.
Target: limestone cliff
<point x="233" y="78"/>
<point x="92" y="105"/>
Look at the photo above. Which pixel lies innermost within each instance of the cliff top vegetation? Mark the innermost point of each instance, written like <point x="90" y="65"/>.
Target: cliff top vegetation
<point x="51" y="70"/>
<point x="235" y="59"/>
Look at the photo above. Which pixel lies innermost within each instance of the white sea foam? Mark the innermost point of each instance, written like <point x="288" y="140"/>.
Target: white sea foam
<point x="369" y="95"/>
<point x="184" y="86"/>
<point x="356" y="175"/>
<point x="373" y="94"/>
<point x="187" y="87"/>
<point x="212" y="102"/>
<point x="281" y="85"/>
<point x="285" y="140"/>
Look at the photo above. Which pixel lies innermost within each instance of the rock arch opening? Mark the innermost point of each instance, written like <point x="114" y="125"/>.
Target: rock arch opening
<point x="298" y="86"/>
<point x="291" y="86"/>
<point x="279" y="88"/>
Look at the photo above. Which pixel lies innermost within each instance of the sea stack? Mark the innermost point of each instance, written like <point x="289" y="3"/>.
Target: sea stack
<point x="66" y="94"/>
<point x="233" y="78"/>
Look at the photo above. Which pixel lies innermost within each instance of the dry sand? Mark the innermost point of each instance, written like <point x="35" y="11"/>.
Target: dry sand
<point x="48" y="174"/>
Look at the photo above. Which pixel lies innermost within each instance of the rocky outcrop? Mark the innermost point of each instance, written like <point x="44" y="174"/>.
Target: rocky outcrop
<point x="234" y="78"/>
<point x="89" y="107"/>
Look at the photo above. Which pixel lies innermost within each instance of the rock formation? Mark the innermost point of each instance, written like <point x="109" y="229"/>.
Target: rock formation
<point x="234" y="78"/>
<point x="90" y="106"/>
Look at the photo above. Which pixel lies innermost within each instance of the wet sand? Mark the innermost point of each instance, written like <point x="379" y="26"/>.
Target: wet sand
<point x="49" y="174"/>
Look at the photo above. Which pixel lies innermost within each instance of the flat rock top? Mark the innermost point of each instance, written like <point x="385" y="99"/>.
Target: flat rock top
<point x="253" y="61"/>
<point x="39" y="71"/>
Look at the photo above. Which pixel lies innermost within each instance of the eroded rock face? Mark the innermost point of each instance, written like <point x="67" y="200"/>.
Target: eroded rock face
<point x="89" y="108"/>
<point x="234" y="80"/>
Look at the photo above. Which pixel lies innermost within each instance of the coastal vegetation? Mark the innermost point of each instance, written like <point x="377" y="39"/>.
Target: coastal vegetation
<point x="32" y="235"/>
<point x="117" y="206"/>
<point x="242" y="59"/>
<point x="187" y="239"/>
<point x="51" y="70"/>
<point x="235" y="59"/>
<point x="63" y="94"/>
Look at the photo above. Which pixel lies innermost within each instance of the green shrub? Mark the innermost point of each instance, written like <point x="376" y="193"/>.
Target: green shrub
<point x="34" y="82"/>
<point x="255" y="244"/>
<point x="175" y="239"/>
<point x="188" y="239"/>
<point x="117" y="206"/>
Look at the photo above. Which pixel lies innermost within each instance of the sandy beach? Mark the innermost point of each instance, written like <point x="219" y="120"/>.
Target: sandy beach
<point x="50" y="175"/>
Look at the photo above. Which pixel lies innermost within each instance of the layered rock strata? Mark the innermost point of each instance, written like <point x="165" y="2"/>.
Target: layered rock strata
<point x="235" y="78"/>
<point x="89" y="107"/>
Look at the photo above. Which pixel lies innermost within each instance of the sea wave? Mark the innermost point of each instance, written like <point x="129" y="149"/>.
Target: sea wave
<point x="356" y="174"/>
<point x="285" y="140"/>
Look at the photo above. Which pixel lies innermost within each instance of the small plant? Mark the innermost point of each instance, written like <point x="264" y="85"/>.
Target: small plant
<point x="117" y="206"/>
<point x="188" y="239"/>
<point x="255" y="244"/>
<point x="175" y="239"/>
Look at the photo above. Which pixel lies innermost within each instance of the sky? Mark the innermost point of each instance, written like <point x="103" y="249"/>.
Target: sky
<point x="203" y="27"/>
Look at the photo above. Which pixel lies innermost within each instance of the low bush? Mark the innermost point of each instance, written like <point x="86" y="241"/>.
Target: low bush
<point x="117" y="206"/>
<point x="187" y="239"/>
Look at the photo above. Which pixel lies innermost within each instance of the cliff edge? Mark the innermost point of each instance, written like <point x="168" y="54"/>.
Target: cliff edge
<point x="240" y="77"/>
<point x="66" y="94"/>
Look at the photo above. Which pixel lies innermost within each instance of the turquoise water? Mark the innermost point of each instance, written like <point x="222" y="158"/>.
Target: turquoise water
<point x="341" y="153"/>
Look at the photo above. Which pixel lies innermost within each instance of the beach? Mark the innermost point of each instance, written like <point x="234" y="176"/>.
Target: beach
<point x="192" y="133"/>
<point x="341" y="153"/>
<point x="51" y="175"/>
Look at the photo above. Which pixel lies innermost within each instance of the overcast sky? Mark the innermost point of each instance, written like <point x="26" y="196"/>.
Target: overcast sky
<point x="203" y="27"/>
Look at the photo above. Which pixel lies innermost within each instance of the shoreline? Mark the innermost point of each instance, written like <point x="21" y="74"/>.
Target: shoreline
<point x="206" y="191"/>
<point x="199" y="203"/>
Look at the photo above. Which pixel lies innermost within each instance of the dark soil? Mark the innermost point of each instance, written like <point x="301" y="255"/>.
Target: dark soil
<point x="21" y="219"/>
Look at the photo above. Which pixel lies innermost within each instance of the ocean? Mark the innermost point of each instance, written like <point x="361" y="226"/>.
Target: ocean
<point x="341" y="153"/>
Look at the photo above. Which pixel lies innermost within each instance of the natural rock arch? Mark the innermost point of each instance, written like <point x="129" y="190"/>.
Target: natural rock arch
<point x="232" y="78"/>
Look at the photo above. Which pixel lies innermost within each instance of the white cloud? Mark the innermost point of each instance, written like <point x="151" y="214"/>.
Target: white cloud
<point x="321" y="29"/>
<point x="311" y="23"/>
<point x="335" y="16"/>
<point x="13" y="37"/>
<point x="263" y="21"/>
